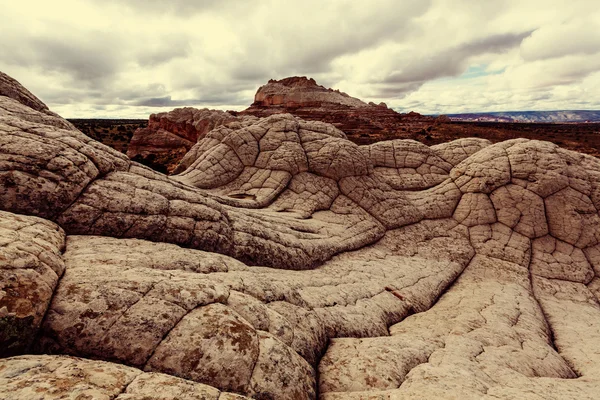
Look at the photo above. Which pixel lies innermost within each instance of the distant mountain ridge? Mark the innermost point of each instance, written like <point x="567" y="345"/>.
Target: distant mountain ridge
<point x="531" y="116"/>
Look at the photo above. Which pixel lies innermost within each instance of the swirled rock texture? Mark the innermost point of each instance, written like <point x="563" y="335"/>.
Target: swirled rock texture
<point x="286" y="262"/>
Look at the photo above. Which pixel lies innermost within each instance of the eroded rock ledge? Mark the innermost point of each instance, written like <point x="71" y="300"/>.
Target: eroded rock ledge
<point x="170" y="135"/>
<point x="286" y="262"/>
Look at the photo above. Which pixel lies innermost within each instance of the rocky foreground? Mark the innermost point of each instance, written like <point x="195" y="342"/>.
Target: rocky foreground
<point x="286" y="262"/>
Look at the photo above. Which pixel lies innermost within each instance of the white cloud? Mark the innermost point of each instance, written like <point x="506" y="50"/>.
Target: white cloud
<point x="129" y="58"/>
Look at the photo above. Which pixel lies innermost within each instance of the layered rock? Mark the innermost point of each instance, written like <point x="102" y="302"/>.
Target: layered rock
<point x="287" y="262"/>
<point x="296" y="92"/>
<point x="169" y="135"/>
<point x="304" y="98"/>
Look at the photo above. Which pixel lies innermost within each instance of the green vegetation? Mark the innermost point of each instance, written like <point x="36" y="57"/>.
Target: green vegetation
<point x="115" y="133"/>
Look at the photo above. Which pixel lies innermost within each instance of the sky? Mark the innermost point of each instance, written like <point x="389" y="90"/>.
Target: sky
<point x="131" y="58"/>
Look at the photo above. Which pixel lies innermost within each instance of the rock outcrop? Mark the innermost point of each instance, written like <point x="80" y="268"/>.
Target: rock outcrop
<point x="162" y="146"/>
<point x="296" y="92"/>
<point x="304" y="98"/>
<point x="287" y="262"/>
<point x="169" y="135"/>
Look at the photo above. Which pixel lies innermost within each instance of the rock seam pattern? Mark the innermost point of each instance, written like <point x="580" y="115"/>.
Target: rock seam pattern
<point x="286" y="262"/>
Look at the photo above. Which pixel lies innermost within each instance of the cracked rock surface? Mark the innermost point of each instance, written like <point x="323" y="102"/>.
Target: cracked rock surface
<point x="169" y="135"/>
<point x="286" y="262"/>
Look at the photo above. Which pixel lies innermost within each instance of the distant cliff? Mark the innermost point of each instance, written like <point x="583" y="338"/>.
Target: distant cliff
<point x="303" y="97"/>
<point x="531" y="116"/>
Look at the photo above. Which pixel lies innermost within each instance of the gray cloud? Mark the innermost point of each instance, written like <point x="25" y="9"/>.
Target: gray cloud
<point x="180" y="8"/>
<point x="131" y="56"/>
<point x="88" y="62"/>
<point x="250" y="73"/>
<point x="165" y="102"/>
<point x="493" y="44"/>
<point x="310" y="48"/>
<point x="580" y="36"/>
<point x="201" y="96"/>
<point x="164" y="52"/>
<point x="389" y="89"/>
<point x="453" y="61"/>
<point x="448" y="63"/>
<point x="130" y="93"/>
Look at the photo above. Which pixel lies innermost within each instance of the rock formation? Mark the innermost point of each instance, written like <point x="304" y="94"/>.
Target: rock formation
<point x="163" y="144"/>
<point x="304" y="98"/>
<point x="169" y="135"/>
<point x="297" y="92"/>
<point x="287" y="262"/>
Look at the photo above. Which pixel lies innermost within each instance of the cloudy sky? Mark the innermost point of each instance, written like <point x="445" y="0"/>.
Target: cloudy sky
<point x="130" y="58"/>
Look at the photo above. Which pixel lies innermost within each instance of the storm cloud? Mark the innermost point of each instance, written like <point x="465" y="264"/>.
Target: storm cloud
<point x="130" y="58"/>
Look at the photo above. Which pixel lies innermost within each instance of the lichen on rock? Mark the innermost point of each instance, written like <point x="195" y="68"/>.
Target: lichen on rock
<point x="284" y="261"/>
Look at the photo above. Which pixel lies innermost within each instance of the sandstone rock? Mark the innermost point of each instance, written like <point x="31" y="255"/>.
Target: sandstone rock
<point x="521" y="210"/>
<point x="555" y="259"/>
<point x="280" y="372"/>
<point x="59" y="377"/>
<point x="30" y="267"/>
<point x="164" y="143"/>
<point x="394" y="270"/>
<point x="300" y="92"/>
<point x="12" y="89"/>
<point x="45" y="165"/>
<point x="456" y="151"/>
<point x="304" y="98"/>
<point x="211" y="344"/>
<point x="169" y="135"/>
<point x="407" y="165"/>
<point x="478" y="330"/>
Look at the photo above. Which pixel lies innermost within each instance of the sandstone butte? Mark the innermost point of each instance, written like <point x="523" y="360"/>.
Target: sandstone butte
<point x="286" y="262"/>
<point x="170" y="135"/>
<point x="304" y="98"/>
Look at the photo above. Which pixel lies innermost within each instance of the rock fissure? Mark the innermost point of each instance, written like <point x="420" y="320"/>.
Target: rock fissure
<point x="463" y="269"/>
